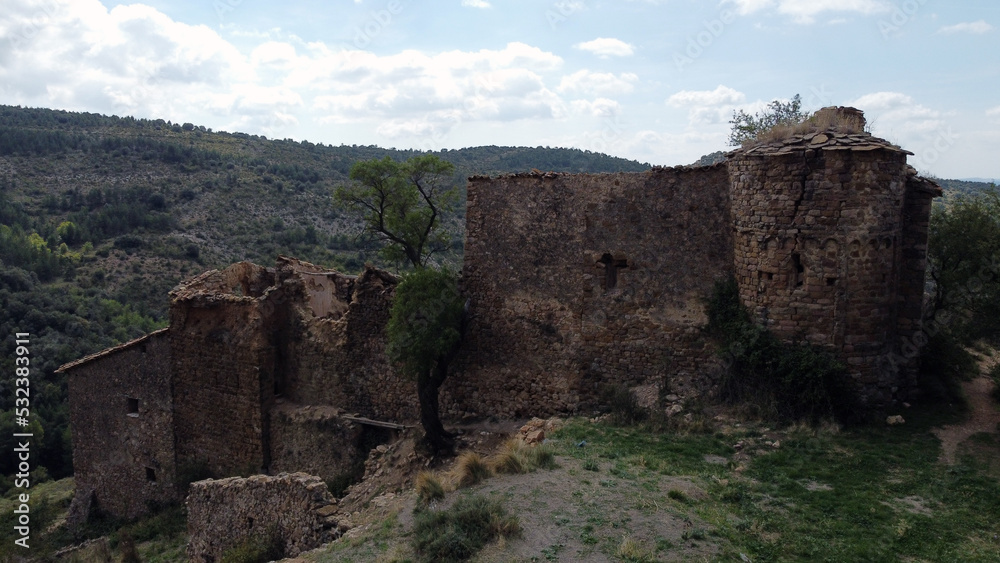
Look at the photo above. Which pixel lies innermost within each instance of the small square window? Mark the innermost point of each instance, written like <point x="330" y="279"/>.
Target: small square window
<point x="150" y="474"/>
<point x="132" y="407"/>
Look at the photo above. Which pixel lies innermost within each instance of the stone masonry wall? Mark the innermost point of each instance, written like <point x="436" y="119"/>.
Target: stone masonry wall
<point x="819" y="238"/>
<point x="224" y="362"/>
<point x="920" y="194"/>
<point x="340" y="359"/>
<point x="225" y="513"/>
<point x="579" y="281"/>
<point x="122" y="419"/>
<point x="313" y="439"/>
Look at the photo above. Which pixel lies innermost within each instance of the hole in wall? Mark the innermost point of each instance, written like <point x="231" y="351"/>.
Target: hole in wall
<point x="611" y="267"/>
<point x="150" y="474"/>
<point x="132" y="406"/>
<point x="799" y="271"/>
<point x="831" y="281"/>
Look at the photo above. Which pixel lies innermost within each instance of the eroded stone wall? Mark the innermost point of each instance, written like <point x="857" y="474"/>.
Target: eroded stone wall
<point x="121" y="416"/>
<point x="578" y="281"/>
<point x="315" y="440"/>
<point x="225" y="513"/>
<point x="828" y="249"/>
<point x="339" y="359"/>
<point x="224" y="359"/>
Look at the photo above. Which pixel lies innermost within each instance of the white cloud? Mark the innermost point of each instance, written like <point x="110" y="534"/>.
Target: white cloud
<point x="744" y="7"/>
<point x="601" y="107"/>
<point x="476" y="4"/>
<point x="587" y="83"/>
<point x="898" y="113"/>
<point x="135" y="60"/>
<point x="605" y="47"/>
<point x="805" y="11"/>
<point x="977" y="27"/>
<point x="707" y="106"/>
<point x="929" y="133"/>
<point x="722" y="95"/>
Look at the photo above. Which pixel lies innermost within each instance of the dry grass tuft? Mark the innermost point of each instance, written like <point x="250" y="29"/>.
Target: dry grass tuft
<point x="429" y="488"/>
<point x="632" y="551"/>
<point x="834" y="121"/>
<point x="471" y="469"/>
<point x="517" y="457"/>
<point x="512" y="458"/>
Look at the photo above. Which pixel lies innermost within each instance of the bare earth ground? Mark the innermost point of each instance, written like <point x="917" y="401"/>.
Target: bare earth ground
<point x="983" y="418"/>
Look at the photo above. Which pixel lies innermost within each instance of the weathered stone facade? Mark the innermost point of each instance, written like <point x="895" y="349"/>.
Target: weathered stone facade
<point x="241" y="382"/>
<point x="122" y="417"/>
<point x="580" y="280"/>
<point x="575" y="282"/>
<point x="830" y="234"/>
<point x="292" y="508"/>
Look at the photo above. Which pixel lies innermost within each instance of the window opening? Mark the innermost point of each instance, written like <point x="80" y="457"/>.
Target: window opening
<point x="133" y="407"/>
<point x="611" y="267"/>
<point x="799" y="270"/>
<point x="150" y="474"/>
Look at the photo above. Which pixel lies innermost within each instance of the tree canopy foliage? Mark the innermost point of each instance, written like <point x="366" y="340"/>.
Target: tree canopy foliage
<point x="964" y="264"/>
<point x="746" y="127"/>
<point x="402" y="204"/>
<point x="424" y="333"/>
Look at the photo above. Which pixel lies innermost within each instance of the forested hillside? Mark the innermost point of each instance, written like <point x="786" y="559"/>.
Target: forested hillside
<point x="101" y="216"/>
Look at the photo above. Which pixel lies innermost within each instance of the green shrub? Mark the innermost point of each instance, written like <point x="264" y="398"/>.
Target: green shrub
<point x="460" y="532"/>
<point x="779" y="381"/>
<point x="259" y="549"/>
<point x="624" y="408"/>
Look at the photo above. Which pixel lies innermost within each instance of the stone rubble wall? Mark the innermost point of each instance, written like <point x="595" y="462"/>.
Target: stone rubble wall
<point x="225" y="513"/>
<point x="550" y="326"/>
<point x="313" y="439"/>
<point x="224" y="361"/>
<point x="827" y="252"/>
<point x="114" y="449"/>
<point x="341" y="360"/>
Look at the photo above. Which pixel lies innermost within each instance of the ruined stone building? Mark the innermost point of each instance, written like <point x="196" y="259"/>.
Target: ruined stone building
<point x="575" y="282"/>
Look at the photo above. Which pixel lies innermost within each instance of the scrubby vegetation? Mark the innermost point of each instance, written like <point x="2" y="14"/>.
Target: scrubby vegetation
<point x="457" y="533"/>
<point x="773" y="380"/>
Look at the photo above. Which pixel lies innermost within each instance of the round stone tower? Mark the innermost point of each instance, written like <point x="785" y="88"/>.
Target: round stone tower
<point x="819" y="222"/>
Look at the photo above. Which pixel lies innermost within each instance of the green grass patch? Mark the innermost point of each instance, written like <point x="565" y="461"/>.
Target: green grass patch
<point x="459" y="532"/>
<point x="863" y="494"/>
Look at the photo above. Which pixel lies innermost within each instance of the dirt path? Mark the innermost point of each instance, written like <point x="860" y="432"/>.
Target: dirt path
<point x="983" y="417"/>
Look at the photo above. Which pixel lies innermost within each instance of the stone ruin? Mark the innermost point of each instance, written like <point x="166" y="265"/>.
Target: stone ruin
<point x="295" y="510"/>
<point x="576" y="282"/>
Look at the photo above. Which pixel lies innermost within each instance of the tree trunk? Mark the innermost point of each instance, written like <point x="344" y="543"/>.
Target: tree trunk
<point x="441" y="442"/>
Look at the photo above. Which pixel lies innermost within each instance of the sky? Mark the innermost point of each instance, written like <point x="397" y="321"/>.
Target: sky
<point x="651" y="80"/>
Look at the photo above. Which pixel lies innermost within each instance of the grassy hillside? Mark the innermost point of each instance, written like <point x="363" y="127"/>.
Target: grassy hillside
<point x="101" y="216"/>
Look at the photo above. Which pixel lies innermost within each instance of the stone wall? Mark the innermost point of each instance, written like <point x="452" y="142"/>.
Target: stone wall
<point x="339" y="359"/>
<point x="579" y="281"/>
<point x="224" y="359"/>
<point x="830" y="248"/>
<point x="122" y="420"/>
<point x="225" y="513"/>
<point x="314" y="439"/>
